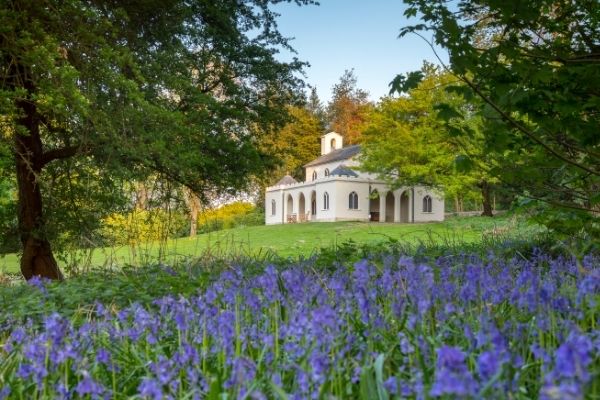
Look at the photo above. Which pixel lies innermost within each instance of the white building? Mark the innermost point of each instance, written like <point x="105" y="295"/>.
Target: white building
<point x="335" y="191"/>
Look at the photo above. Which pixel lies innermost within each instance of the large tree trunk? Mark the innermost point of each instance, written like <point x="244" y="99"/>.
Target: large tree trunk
<point x="487" y="199"/>
<point x="37" y="258"/>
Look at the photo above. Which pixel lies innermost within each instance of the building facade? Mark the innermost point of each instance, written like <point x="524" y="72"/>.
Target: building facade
<point x="334" y="190"/>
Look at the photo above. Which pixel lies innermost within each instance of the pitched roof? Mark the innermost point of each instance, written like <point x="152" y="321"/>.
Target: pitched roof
<point x="286" y="180"/>
<point x="336" y="155"/>
<point x="342" y="170"/>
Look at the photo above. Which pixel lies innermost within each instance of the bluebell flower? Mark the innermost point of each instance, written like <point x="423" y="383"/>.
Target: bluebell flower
<point x="488" y="364"/>
<point x="150" y="389"/>
<point x="103" y="357"/>
<point x="452" y="376"/>
<point x="391" y="385"/>
<point x="39" y="283"/>
<point x="5" y="392"/>
<point x="88" y="386"/>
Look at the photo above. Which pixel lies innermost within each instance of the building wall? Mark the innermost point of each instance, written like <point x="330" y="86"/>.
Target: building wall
<point x="321" y="170"/>
<point x="276" y="218"/>
<point x="339" y="189"/>
<point x="333" y="165"/>
<point x="326" y="142"/>
<point x="437" y="205"/>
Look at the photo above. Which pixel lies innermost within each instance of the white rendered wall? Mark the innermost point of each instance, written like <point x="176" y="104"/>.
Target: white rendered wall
<point x="276" y="218"/>
<point x="326" y="142"/>
<point x="342" y="191"/>
<point x="437" y="205"/>
<point x="333" y="165"/>
<point x="339" y="189"/>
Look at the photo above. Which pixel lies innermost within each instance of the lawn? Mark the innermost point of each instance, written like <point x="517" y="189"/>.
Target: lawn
<point x="291" y="240"/>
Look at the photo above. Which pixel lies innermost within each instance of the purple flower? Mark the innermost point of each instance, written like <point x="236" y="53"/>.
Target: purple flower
<point x="391" y="385"/>
<point x="573" y="358"/>
<point x="452" y="376"/>
<point x="89" y="386"/>
<point x="488" y="365"/>
<point x="103" y="357"/>
<point x="5" y="392"/>
<point x="150" y="389"/>
<point x="39" y="283"/>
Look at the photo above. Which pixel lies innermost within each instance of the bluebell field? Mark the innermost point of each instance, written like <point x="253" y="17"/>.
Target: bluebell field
<point x="381" y="328"/>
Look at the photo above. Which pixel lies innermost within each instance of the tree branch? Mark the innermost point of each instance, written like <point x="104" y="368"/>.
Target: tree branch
<point x="60" y="153"/>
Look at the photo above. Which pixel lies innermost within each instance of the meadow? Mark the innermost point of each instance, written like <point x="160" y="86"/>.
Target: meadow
<point x="291" y="240"/>
<point x="377" y="319"/>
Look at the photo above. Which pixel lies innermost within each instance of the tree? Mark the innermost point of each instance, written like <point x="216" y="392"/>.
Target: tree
<point x="118" y="89"/>
<point x="295" y="144"/>
<point x="535" y="67"/>
<point x="348" y="108"/>
<point x="315" y="107"/>
<point x="407" y="142"/>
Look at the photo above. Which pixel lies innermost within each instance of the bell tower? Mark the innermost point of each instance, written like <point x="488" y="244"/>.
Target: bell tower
<point x="331" y="141"/>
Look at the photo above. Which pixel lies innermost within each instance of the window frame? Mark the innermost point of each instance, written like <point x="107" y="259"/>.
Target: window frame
<point x="353" y="200"/>
<point x="273" y="207"/>
<point x="427" y="204"/>
<point x="325" y="201"/>
<point x="314" y="175"/>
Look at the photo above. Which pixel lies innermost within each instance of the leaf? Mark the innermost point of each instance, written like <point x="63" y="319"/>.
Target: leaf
<point x="402" y="83"/>
<point x="279" y="391"/>
<point x="381" y="391"/>
<point x="368" y="385"/>
<point x="463" y="163"/>
<point x="446" y="111"/>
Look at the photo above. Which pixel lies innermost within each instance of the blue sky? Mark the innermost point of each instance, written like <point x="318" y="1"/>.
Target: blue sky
<point x="360" y="34"/>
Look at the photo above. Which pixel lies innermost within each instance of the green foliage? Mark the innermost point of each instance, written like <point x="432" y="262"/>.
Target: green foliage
<point x="9" y="234"/>
<point x="295" y="144"/>
<point x="295" y="240"/>
<point x="229" y="216"/>
<point x="139" y="226"/>
<point x="534" y="68"/>
<point x="96" y="94"/>
<point x="409" y="140"/>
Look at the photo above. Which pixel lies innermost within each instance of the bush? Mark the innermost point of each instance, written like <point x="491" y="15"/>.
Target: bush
<point x="230" y="216"/>
<point x="140" y="226"/>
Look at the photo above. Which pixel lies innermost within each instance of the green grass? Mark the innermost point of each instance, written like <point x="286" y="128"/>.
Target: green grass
<point x="289" y="240"/>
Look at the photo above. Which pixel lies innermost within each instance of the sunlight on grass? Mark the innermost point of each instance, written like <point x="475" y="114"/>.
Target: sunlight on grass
<point x="289" y="240"/>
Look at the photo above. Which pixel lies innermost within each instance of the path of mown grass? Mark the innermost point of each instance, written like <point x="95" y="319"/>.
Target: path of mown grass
<point x="289" y="240"/>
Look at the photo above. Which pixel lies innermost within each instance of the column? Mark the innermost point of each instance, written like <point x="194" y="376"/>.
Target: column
<point x="397" y="196"/>
<point x="382" y="196"/>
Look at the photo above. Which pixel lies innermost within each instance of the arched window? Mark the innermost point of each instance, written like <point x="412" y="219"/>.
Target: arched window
<point x="427" y="204"/>
<point x="326" y="171"/>
<point x="353" y="201"/>
<point x="273" y="207"/>
<point x="325" y="201"/>
<point x="332" y="144"/>
<point x="314" y="176"/>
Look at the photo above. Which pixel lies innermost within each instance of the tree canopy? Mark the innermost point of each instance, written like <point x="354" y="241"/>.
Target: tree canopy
<point x="535" y="66"/>
<point x="94" y="91"/>
<point x="406" y="142"/>
<point x="348" y="108"/>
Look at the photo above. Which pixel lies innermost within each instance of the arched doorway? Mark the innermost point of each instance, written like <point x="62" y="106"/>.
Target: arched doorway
<point x="313" y="205"/>
<point x="404" y="201"/>
<point x="301" y="208"/>
<point x="389" y="207"/>
<point x="374" y="206"/>
<point x="291" y="217"/>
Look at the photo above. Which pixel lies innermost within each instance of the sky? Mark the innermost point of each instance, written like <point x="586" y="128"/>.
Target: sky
<point x="354" y="34"/>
